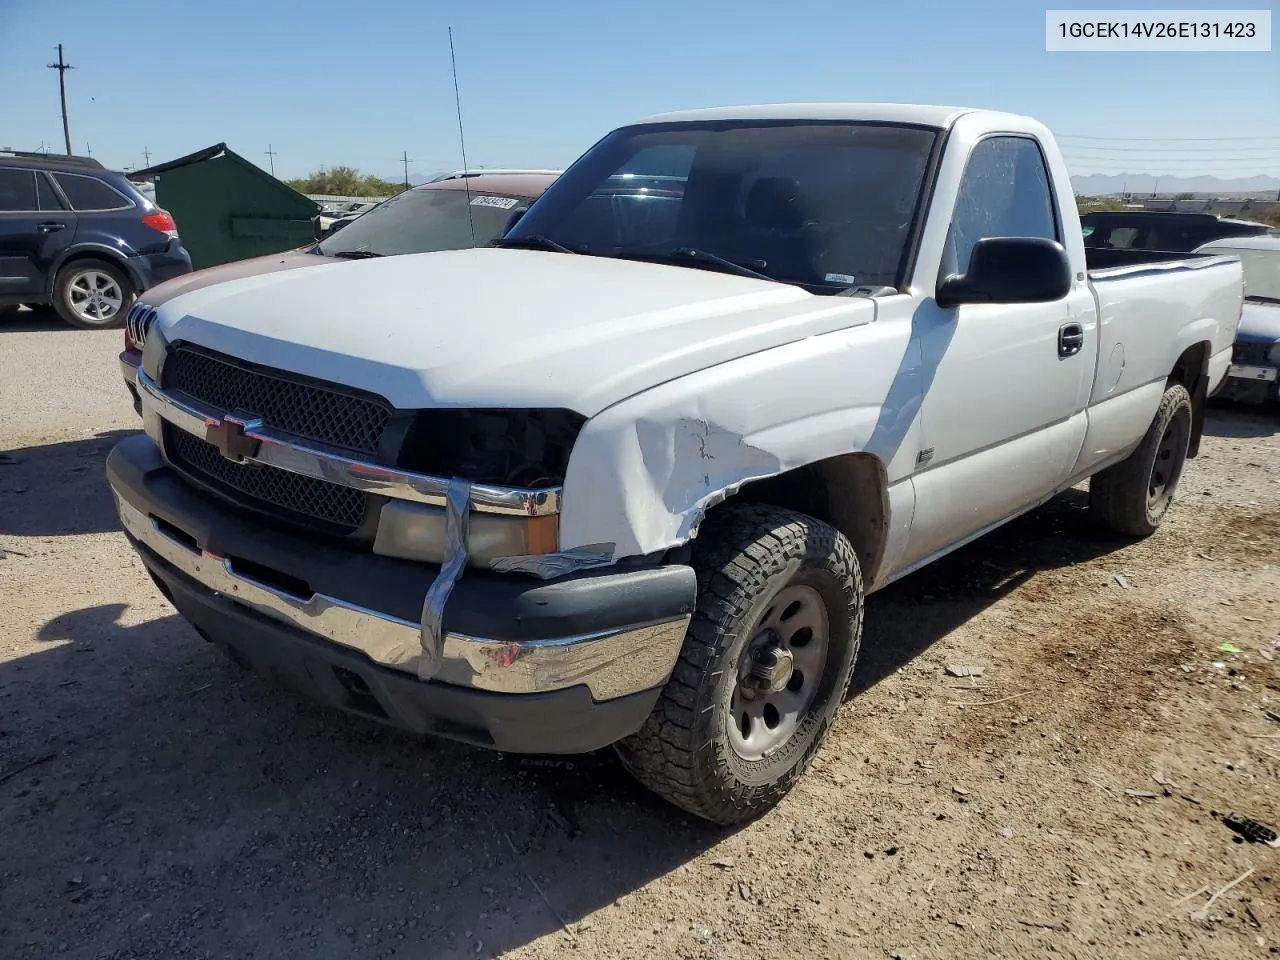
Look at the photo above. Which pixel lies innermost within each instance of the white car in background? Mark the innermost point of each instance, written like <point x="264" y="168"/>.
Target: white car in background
<point x="1254" y="374"/>
<point x="339" y="216"/>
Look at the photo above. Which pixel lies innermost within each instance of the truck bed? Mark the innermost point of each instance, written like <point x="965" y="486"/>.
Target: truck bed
<point x="1104" y="258"/>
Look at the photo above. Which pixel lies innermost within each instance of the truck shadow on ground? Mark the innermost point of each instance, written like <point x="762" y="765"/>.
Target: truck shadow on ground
<point x="180" y="801"/>
<point x="1225" y="419"/>
<point x="58" y="489"/>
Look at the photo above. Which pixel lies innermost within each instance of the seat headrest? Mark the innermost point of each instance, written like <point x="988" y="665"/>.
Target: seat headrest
<point x="773" y="203"/>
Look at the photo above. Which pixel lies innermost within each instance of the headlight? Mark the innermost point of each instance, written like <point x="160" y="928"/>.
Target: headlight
<point x="414" y="531"/>
<point x="509" y="448"/>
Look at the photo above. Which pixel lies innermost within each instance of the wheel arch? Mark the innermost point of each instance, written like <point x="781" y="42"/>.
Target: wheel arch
<point x="1191" y="369"/>
<point x="94" y="252"/>
<point x="849" y="491"/>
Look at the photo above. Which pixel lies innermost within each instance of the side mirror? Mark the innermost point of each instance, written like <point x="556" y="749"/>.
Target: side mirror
<point x="514" y="219"/>
<point x="1009" y="270"/>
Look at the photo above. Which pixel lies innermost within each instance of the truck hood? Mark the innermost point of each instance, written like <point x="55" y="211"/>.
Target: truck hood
<point x="504" y="328"/>
<point x="1260" y="321"/>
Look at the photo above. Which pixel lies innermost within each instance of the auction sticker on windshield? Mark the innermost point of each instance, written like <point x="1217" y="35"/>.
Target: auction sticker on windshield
<point x="502" y="203"/>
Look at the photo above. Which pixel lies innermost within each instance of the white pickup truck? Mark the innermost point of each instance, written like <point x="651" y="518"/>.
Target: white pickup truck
<point x="627" y="477"/>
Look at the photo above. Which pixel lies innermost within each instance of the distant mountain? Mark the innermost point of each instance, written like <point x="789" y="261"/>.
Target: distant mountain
<point x="1101" y="185"/>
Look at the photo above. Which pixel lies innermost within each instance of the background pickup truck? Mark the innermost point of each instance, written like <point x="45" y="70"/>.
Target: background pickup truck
<point x="628" y="478"/>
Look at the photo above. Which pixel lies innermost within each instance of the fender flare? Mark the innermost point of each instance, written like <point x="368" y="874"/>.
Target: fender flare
<point x="80" y="251"/>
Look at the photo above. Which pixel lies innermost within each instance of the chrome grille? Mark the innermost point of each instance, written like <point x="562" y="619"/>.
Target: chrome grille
<point x="301" y="498"/>
<point x="331" y="416"/>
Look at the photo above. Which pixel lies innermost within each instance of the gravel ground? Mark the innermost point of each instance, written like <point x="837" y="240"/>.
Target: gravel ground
<point x="157" y="803"/>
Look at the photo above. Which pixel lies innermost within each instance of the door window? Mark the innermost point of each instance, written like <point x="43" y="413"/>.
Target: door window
<point x="17" y="191"/>
<point x="1005" y="192"/>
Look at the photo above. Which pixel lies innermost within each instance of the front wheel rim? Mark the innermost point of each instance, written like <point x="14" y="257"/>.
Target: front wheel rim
<point x="794" y="629"/>
<point x="95" y="297"/>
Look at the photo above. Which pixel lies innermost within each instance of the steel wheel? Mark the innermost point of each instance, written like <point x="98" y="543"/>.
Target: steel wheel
<point x="1167" y="467"/>
<point x="779" y="672"/>
<point x="95" y="297"/>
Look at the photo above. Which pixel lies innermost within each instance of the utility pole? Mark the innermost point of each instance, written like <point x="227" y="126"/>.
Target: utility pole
<point x="146" y="156"/>
<point x="271" y="156"/>
<point x="88" y="150"/>
<point x="62" y="67"/>
<point x="405" y="160"/>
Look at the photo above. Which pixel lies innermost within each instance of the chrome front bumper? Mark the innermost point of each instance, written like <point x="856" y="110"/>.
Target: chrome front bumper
<point x="610" y="663"/>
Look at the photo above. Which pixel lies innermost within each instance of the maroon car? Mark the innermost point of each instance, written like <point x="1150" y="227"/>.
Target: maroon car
<point x="452" y="213"/>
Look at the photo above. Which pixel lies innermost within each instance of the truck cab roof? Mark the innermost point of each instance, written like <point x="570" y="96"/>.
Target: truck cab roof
<point x="925" y="115"/>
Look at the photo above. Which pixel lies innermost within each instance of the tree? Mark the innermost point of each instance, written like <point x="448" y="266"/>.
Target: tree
<point x="343" y="181"/>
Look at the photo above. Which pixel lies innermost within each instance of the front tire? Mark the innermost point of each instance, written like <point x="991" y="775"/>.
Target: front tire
<point x="93" y="295"/>
<point x="764" y="668"/>
<point x="1133" y="496"/>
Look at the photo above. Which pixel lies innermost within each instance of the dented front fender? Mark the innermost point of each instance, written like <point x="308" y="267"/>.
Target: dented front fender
<point x="644" y="472"/>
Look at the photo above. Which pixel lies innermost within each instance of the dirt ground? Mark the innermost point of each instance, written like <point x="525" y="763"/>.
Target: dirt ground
<point x="157" y="803"/>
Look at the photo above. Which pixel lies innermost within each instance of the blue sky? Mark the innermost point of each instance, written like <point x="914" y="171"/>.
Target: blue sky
<point x="328" y="83"/>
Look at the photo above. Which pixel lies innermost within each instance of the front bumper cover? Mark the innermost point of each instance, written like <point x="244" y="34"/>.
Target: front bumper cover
<point x="611" y="632"/>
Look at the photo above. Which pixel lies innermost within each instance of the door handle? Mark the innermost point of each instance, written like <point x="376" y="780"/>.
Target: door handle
<point x="51" y="226"/>
<point x="1070" y="339"/>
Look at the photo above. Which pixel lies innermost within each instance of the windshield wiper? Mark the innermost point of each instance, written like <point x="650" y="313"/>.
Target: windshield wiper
<point x="697" y="256"/>
<point x="356" y="254"/>
<point x="704" y="256"/>
<point x="534" y="241"/>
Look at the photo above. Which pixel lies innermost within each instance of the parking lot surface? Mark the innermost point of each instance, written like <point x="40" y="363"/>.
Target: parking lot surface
<point x="155" y="802"/>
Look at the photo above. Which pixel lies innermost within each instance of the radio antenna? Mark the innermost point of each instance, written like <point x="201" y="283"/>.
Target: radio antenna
<point x="462" y="140"/>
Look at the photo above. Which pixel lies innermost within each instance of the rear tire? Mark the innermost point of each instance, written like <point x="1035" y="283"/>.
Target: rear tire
<point x="93" y="295"/>
<point x="1133" y="496"/>
<point x="775" y="586"/>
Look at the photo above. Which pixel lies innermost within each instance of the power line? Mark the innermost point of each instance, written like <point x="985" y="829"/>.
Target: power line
<point x="62" y="67"/>
<point x="1197" y="161"/>
<point x="1085" y="146"/>
<point x="1081" y="136"/>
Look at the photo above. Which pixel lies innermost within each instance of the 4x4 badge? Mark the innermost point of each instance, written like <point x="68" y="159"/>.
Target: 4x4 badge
<point x="229" y="436"/>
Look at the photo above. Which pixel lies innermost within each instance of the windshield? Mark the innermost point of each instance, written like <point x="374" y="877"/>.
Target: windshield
<point x="425" y="220"/>
<point x="1261" y="272"/>
<point x="824" y="205"/>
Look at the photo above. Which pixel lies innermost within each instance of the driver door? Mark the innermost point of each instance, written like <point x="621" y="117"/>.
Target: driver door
<point x="1002" y="418"/>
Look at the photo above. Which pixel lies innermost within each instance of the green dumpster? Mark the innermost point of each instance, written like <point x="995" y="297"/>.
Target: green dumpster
<point x="228" y="209"/>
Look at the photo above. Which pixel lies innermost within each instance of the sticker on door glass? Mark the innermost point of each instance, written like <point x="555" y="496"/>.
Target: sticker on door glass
<point x="502" y="203"/>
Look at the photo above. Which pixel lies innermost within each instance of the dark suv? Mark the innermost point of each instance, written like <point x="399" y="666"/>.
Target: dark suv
<point x="82" y="238"/>
<point x="1167" y="231"/>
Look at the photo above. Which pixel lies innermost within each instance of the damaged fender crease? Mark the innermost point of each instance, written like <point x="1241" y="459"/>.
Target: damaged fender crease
<point x="547" y="566"/>
<point x="431" y="635"/>
<point x="719" y="463"/>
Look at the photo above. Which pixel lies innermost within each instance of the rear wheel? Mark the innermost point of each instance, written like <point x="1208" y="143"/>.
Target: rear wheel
<point x="1133" y="496"/>
<point x="764" y="667"/>
<point x="93" y="295"/>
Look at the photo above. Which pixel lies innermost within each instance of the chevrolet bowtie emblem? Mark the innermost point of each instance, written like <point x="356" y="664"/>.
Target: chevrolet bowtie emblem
<point x="228" y="435"/>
